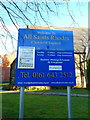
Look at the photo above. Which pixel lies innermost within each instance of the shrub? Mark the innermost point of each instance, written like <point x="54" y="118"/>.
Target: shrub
<point x="88" y="74"/>
<point x="58" y="87"/>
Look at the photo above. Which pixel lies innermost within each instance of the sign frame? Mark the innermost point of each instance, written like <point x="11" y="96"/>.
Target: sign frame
<point x="51" y="52"/>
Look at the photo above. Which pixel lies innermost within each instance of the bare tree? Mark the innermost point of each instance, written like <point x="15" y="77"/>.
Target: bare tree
<point x="28" y="12"/>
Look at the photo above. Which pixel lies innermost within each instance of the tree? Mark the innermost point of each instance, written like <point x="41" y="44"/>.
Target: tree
<point x="28" y="12"/>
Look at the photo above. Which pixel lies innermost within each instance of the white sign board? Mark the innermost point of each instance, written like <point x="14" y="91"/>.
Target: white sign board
<point x="26" y="57"/>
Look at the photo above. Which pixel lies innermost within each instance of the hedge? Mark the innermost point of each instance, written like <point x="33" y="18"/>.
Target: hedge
<point x="88" y="74"/>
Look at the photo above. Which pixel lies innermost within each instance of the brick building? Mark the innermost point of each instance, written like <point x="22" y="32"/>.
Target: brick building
<point x="5" y="63"/>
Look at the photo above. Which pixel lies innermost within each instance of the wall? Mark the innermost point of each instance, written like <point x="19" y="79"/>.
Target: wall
<point x="5" y="66"/>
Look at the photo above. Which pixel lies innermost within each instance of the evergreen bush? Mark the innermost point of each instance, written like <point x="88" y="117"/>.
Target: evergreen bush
<point x="88" y="74"/>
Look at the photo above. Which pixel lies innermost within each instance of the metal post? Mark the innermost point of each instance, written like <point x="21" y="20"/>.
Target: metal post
<point x="21" y="107"/>
<point x="69" y="103"/>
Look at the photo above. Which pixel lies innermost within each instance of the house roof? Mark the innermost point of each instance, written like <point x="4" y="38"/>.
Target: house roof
<point x="80" y="35"/>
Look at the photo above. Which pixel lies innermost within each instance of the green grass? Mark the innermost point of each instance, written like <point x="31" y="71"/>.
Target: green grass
<point x="43" y="106"/>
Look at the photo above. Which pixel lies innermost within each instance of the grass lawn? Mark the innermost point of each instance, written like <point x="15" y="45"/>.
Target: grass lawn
<point x="43" y="106"/>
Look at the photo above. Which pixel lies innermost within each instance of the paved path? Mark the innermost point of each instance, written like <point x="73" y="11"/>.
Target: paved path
<point x="58" y="93"/>
<point x="48" y="93"/>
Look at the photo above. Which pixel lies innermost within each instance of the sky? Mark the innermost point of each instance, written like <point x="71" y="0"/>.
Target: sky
<point x="78" y="9"/>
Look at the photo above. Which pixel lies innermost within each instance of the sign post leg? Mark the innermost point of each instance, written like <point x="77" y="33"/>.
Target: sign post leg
<point x="69" y="103"/>
<point x="21" y="107"/>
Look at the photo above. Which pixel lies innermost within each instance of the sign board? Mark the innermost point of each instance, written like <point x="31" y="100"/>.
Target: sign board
<point x="45" y="58"/>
